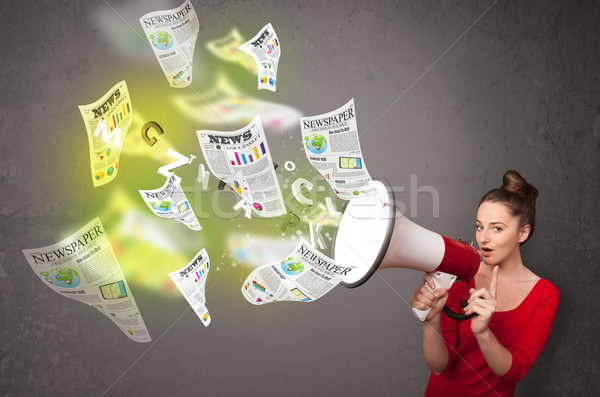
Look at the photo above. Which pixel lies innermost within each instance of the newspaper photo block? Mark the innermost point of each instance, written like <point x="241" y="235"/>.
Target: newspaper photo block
<point x="243" y="161"/>
<point x="106" y="122"/>
<point x="170" y="202"/>
<point x="83" y="267"/>
<point x="304" y="275"/>
<point x="172" y="35"/>
<point x="191" y="281"/>
<point x="266" y="50"/>
<point x="332" y="147"/>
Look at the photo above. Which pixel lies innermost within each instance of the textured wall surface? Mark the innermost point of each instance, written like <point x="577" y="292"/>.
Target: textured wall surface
<point x="451" y="93"/>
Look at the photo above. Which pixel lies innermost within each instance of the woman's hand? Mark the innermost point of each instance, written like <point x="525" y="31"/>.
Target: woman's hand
<point x="483" y="303"/>
<point x="423" y="298"/>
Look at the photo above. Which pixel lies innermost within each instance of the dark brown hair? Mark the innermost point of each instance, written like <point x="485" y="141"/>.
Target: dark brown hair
<point x="518" y="196"/>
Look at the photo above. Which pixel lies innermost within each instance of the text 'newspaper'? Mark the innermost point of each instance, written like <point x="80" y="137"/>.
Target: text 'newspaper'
<point x="83" y="267"/>
<point x="169" y="201"/>
<point x="172" y="35"/>
<point x="332" y="147"/>
<point x="304" y="275"/>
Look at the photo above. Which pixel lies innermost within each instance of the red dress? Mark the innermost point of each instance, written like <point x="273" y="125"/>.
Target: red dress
<point x="523" y="331"/>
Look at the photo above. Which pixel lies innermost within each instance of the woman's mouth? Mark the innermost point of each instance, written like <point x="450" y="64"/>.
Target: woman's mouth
<point x="486" y="251"/>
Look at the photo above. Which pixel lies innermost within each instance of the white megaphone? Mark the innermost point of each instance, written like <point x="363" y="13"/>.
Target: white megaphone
<point x="373" y="234"/>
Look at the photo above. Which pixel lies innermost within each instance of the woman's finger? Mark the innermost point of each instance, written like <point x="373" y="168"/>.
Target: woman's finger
<point x="477" y="309"/>
<point x="477" y="302"/>
<point x="480" y="293"/>
<point x="427" y="292"/>
<point x="481" y="306"/>
<point x="424" y="300"/>
<point x="427" y="279"/>
<point x="423" y="295"/>
<point x="420" y="305"/>
<point x="485" y="305"/>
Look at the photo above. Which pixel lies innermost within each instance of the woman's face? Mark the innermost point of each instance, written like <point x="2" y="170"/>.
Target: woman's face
<point x="498" y="233"/>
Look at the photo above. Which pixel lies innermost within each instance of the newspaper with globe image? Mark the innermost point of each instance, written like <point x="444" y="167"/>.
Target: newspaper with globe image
<point x="170" y="202"/>
<point x="83" y="267"/>
<point x="332" y="147"/>
<point x="266" y="50"/>
<point x="242" y="160"/>
<point x="172" y="35"/>
<point x="191" y="281"/>
<point x="304" y="275"/>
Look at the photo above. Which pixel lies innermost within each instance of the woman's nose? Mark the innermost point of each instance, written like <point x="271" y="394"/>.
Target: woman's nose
<point x="485" y="235"/>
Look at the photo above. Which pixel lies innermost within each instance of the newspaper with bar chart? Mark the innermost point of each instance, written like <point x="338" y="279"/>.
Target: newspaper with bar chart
<point x="191" y="281"/>
<point x="106" y="122"/>
<point x="266" y="50"/>
<point x="242" y="160"/>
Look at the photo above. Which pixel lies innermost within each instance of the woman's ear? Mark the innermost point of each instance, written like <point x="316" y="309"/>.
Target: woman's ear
<point x="524" y="233"/>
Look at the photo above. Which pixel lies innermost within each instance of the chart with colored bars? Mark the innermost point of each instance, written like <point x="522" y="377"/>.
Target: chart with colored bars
<point x="259" y="287"/>
<point x="272" y="46"/>
<point x="200" y="272"/>
<point x="118" y="117"/>
<point x="252" y="156"/>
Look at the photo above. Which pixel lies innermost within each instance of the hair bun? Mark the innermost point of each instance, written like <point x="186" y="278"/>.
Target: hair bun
<point x="518" y="197"/>
<point x="513" y="182"/>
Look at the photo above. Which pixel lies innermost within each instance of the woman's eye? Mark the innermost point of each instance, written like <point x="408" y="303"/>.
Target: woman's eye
<point x="497" y="229"/>
<point x="478" y="228"/>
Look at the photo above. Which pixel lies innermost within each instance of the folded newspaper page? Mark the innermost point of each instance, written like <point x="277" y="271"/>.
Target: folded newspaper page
<point x="226" y="48"/>
<point x="169" y="201"/>
<point x="191" y="281"/>
<point x="111" y="112"/>
<point x="172" y="35"/>
<point x="265" y="49"/>
<point x="304" y="275"/>
<point x="242" y="160"/>
<point x="332" y="147"/>
<point x="83" y="267"/>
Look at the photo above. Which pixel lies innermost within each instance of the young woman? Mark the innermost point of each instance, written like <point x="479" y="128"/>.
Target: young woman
<point x="513" y="308"/>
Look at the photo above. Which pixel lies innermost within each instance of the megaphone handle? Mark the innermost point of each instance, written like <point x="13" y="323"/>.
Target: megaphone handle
<point x="441" y="280"/>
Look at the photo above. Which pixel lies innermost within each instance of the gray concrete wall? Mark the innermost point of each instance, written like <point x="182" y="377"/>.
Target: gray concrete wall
<point x="452" y="93"/>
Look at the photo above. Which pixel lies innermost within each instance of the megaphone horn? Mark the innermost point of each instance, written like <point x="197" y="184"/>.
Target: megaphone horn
<point x="373" y="234"/>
